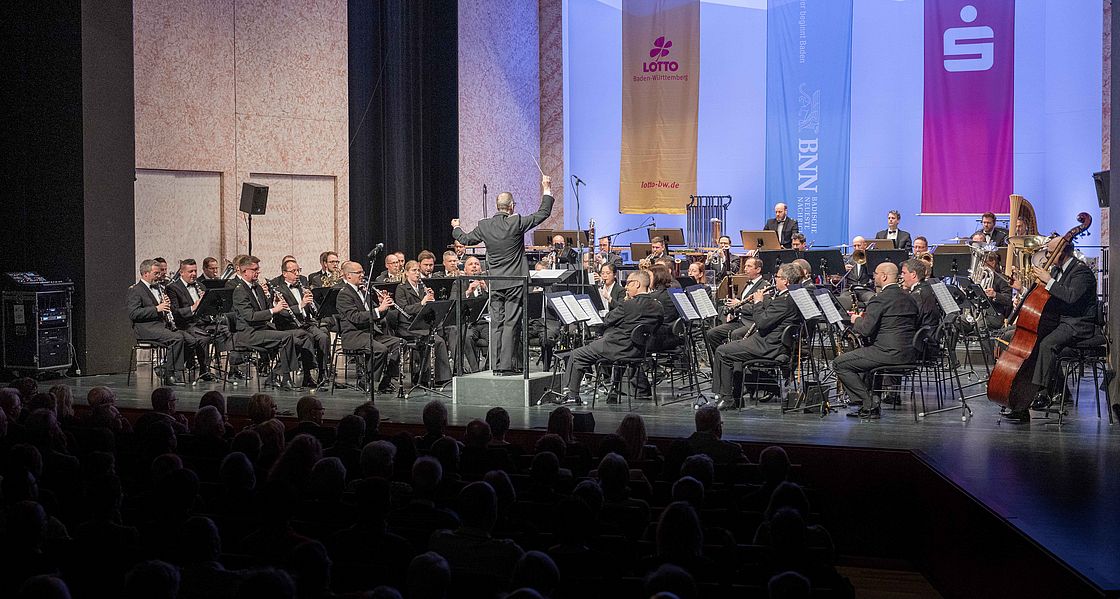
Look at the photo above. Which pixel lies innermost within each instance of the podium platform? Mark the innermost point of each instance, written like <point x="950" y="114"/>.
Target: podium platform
<point x="486" y="389"/>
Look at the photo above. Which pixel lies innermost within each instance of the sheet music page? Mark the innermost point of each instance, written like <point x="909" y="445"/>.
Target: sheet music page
<point x="948" y="304"/>
<point x="562" y="309"/>
<point x="684" y="305"/>
<point x="554" y="273"/>
<point x="575" y="308"/>
<point x="805" y="303"/>
<point x="703" y="301"/>
<point x="589" y="309"/>
<point x="828" y="307"/>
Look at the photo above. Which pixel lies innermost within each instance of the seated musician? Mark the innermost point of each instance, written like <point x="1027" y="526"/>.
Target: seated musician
<point x="657" y="250"/>
<point x="610" y="290"/>
<point x="921" y="246"/>
<point x="255" y="309"/>
<point x="479" y="330"/>
<point x="722" y="261"/>
<point x="619" y="324"/>
<point x="304" y="281"/>
<point x="427" y="261"/>
<point x="394" y="269"/>
<point x="302" y="318"/>
<point x="328" y="270"/>
<point x="806" y="274"/>
<point x="771" y="318"/>
<point x="451" y="264"/>
<point x="915" y="281"/>
<point x="412" y="295"/>
<point x="606" y="256"/>
<point x="739" y="312"/>
<point x="186" y="296"/>
<point x="562" y="254"/>
<point x="697" y="272"/>
<point x="999" y="294"/>
<point x="149" y="309"/>
<point x="797" y="242"/>
<point x="663" y="337"/>
<point x="211" y="270"/>
<point x="784" y="226"/>
<point x="1070" y="317"/>
<point x="889" y="324"/>
<point x="161" y="264"/>
<point x="857" y="273"/>
<point x="355" y="315"/>
<point x="991" y="233"/>
<point x="460" y="254"/>
<point x="901" y="238"/>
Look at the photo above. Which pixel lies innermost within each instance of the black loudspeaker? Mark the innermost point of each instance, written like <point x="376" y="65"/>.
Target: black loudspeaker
<point x="254" y="198"/>
<point x="583" y="422"/>
<point x="237" y="405"/>
<point x="1100" y="180"/>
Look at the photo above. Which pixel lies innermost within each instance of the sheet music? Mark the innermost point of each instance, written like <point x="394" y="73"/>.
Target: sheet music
<point x="828" y="307"/>
<point x="562" y="310"/>
<point x="589" y="309"/>
<point x="948" y="304"/>
<point x="703" y="301"/>
<point x="548" y="273"/>
<point x="805" y="303"/>
<point x="684" y="305"/>
<point x="575" y="308"/>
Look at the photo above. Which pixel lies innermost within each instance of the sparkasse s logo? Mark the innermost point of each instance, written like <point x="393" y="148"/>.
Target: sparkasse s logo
<point x="660" y="51"/>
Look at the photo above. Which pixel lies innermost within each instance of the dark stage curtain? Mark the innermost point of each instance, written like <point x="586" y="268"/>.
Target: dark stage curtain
<point x="404" y="155"/>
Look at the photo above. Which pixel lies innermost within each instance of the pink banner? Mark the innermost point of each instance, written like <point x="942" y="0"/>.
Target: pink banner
<point x="968" y="125"/>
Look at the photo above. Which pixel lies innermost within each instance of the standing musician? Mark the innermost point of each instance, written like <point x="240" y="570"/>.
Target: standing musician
<point x="394" y="269"/>
<point x="504" y="236"/>
<point x="797" y="241"/>
<point x="606" y="256"/>
<point x="722" y="261"/>
<point x="889" y="323"/>
<point x="618" y="325"/>
<point x="992" y="233"/>
<point x="784" y="226"/>
<point x="355" y="313"/>
<point x="186" y="295"/>
<point x="561" y="253"/>
<point x="451" y="264"/>
<point x="1070" y="317"/>
<point x="149" y="309"/>
<point x="301" y="317"/>
<point x="764" y="342"/>
<point x="657" y="250"/>
<point x="412" y="295"/>
<point x="255" y="329"/>
<point x="610" y="290"/>
<point x="901" y="238"/>
<point x="740" y="311"/>
<point x="328" y="265"/>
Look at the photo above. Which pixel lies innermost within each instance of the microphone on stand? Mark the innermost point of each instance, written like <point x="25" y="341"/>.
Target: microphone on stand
<point x="578" y="180"/>
<point x="376" y="250"/>
<point x="484" y="198"/>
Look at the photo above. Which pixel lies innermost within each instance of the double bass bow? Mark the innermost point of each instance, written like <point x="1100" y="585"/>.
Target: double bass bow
<point x="1010" y="382"/>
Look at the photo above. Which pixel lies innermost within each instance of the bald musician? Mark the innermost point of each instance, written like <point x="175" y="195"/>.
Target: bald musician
<point x="783" y="225"/>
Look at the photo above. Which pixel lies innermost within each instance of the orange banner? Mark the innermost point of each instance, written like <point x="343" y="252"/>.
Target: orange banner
<point x="660" y="103"/>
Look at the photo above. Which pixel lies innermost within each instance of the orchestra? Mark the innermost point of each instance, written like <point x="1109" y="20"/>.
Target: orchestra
<point x="887" y="302"/>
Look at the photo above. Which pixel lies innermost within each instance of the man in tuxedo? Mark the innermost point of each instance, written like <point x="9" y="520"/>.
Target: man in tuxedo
<point x="901" y="238"/>
<point x="563" y="254"/>
<point x="764" y="343"/>
<point x="149" y="309"/>
<point x="797" y="241"/>
<point x="411" y="297"/>
<point x="255" y="329"/>
<point x="740" y="310"/>
<point x="427" y="261"/>
<point x="999" y="294"/>
<point x="889" y="323"/>
<point x="504" y="236"/>
<point x="1070" y="318"/>
<point x="610" y="290"/>
<point x="619" y="324"/>
<point x="451" y="264"/>
<point x="657" y="250"/>
<point x="921" y="246"/>
<point x="606" y="256"/>
<point x="186" y="296"/>
<point x="355" y="314"/>
<point x="301" y="318"/>
<point x="394" y="267"/>
<point x="992" y="234"/>
<point x="479" y="330"/>
<point x="723" y="262"/>
<point x="328" y="263"/>
<point x="783" y="225"/>
<point x="211" y="271"/>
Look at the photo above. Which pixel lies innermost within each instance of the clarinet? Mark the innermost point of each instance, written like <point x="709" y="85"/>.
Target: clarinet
<point x="168" y="317"/>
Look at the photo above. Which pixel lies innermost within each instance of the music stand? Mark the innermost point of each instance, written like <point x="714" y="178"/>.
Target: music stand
<point x="771" y="259"/>
<point x="825" y="262"/>
<point x="640" y="250"/>
<point x="950" y="260"/>
<point x="877" y="257"/>
<point x="216" y="302"/>
<point x="440" y="286"/>
<point x="211" y="284"/>
<point x="760" y="240"/>
<point x="686" y="281"/>
<point x="670" y="236"/>
<point x="542" y="237"/>
<point x="882" y="243"/>
<point x="426" y="322"/>
<point x="580" y="290"/>
<point x="570" y="237"/>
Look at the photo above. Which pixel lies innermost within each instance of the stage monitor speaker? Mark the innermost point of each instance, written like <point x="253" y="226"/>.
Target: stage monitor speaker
<point x="237" y="405"/>
<point x="583" y="422"/>
<point x="1100" y="180"/>
<point x="254" y="198"/>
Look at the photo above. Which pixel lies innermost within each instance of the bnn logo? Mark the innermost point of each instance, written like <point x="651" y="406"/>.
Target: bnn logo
<point x="974" y="46"/>
<point x="660" y="50"/>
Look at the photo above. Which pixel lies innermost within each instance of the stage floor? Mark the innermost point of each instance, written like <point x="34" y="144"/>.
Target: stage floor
<point x="1059" y="486"/>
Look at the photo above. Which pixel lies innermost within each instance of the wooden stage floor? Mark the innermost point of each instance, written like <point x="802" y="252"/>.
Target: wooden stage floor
<point x="1058" y="486"/>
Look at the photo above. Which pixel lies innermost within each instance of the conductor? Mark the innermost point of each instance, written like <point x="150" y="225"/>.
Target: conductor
<point x="504" y="236"/>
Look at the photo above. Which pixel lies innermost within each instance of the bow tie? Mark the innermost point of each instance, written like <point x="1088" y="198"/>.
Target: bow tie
<point x="190" y="285"/>
<point x="294" y="285"/>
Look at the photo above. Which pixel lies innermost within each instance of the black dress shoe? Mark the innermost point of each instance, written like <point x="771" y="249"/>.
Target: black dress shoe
<point x="726" y="404"/>
<point x="1041" y="401"/>
<point x="872" y="414"/>
<point x="573" y="400"/>
<point x="206" y="376"/>
<point x="1019" y="416"/>
<point x="1116" y="411"/>
<point x="286" y="383"/>
<point x="892" y="398"/>
<point x="307" y="383"/>
<point x="171" y="381"/>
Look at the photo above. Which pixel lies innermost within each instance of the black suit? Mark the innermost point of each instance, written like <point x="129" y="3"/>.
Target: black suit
<point x="786" y="237"/>
<point x="736" y="328"/>
<point x="1070" y="317"/>
<point x="615" y="343"/>
<point x="1002" y="303"/>
<point x="890" y="321"/>
<point x="409" y="301"/>
<point x="354" y="316"/>
<point x="148" y="324"/>
<point x="617" y="295"/>
<point x="901" y="242"/>
<point x="203" y="329"/>
<point x="771" y="320"/>
<point x="929" y="309"/>
<point x="304" y="323"/>
<point x="724" y="263"/>
<point x="998" y="236"/>
<point x="612" y="258"/>
<point x="256" y="331"/>
<point x="475" y="332"/>
<point x="504" y="236"/>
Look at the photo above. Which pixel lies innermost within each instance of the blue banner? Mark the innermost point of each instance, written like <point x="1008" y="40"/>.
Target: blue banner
<point x="808" y="114"/>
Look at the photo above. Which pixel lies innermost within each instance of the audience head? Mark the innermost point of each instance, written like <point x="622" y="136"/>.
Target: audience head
<point x="199" y="540"/>
<point x="297" y="460"/>
<point x="446" y="450"/>
<point x="248" y="442"/>
<point x="614" y="475"/>
<point x="690" y="491"/>
<point x="261" y="408"/>
<point x="478" y="506"/>
<point x="152" y="580"/>
<point x="164" y="400"/>
<point x="544" y="470"/>
<point x="708" y="420"/>
<point x="787" y="533"/>
<point x="789" y="585"/>
<point x="43" y="401"/>
<point x="213" y="398"/>
<point x="311" y="567"/>
<point x="426" y="476"/>
<point x="590" y="493"/>
<point x="498" y="419"/>
<point x="429" y="576"/>
<point x="613" y="443"/>
<point x="351" y="429"/>
<point x="64" y="395"/>
<point x="26" y="386"/>
<point x="107" y="416"/>
<point x="435" y="417"/>
<point x="164" y="464"/>
<point x="309" y="409"/>
<point x="100" y="395"/>
<point x="28" y="457"/>
<point x="272" y="438"/>
<point x="632" y="429"/>
<point x="208" y="423"/>
<point x="670" y="579"/>
<point x="266" y="584"/>
<point x="536" y="570"/>
<point x="678" y="531"/>
<point x="701" y="467"/>
<point x="44" y="586"/>
<point x="373" y="499"/>
<point x="377" y="459"/>
<point x="788" y="495"/>
<point x="773" y="463"/>
<point x="372" y="417"/>
<point x="574" y="520"/>
<point x="477" y="434"/>
<point x="552" y="443"/>
<point x="43" y="430"/>
<point x="328" y="479"/>
<point x="11" y="403"/>
<point x="503" y="487"/>
<point x="236" y="472"/>
<point x="560" y="422"/>
<point x="157" y="438"/>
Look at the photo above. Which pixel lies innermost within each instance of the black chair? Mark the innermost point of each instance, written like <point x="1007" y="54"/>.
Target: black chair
<point x="909" y="371"/>
<point x="640" y="339"/>
<point x="156" y="355"/>
<point x="1092" y="352"/>
<point x="779" y="368"/>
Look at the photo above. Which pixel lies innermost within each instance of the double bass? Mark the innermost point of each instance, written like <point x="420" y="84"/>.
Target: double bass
<point x="1010" y="382"/>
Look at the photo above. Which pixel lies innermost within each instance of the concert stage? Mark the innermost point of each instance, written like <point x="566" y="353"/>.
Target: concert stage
<point x="1030" y="506"/>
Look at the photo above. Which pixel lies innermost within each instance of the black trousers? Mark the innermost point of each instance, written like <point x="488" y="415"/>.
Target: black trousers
<point x="506" y="307"/>
<point x="1050" y="349"/>
<point x="284" y="343"/>
<point x="178" y="344"/>
<point x="853" y="370"/>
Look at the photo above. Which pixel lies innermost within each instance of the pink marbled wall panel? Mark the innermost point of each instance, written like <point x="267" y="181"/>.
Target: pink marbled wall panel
<point x="500" y="106"/>
<point x="249" y="86"/>
<point x="550" y="18"/>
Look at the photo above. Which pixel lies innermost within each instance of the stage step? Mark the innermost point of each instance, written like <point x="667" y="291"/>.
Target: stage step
<point x="485" y="389"/>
